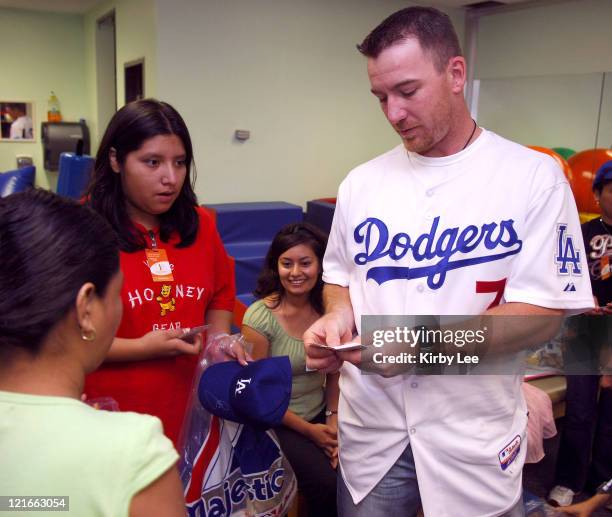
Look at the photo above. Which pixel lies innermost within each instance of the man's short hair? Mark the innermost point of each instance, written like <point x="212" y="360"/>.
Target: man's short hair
<point x="602" y="186"/>
<point x="603" y="176"/>
<point x="432" y="28"/>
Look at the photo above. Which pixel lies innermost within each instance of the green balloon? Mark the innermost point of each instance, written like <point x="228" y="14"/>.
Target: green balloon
<point x="566" y="152"/>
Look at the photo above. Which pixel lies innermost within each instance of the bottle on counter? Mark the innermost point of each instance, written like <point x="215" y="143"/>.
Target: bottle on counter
<point x="53" y="109"/>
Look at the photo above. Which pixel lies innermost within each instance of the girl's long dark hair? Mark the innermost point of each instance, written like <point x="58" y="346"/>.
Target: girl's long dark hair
<point x="289" y="236"/>
<point x="127" y="131"/>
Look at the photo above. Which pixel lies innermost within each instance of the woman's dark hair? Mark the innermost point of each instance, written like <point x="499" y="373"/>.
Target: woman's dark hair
<point x="127" y="131"/>
<point x="49" y="248"/>
<point x="432" y="28"/>
<point x="289" y="236"/>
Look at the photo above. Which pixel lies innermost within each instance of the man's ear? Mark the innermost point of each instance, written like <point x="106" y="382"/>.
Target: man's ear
<point x="112" y="158"/>
<point x="84" y="306"/>
<point x="457" y="74"/>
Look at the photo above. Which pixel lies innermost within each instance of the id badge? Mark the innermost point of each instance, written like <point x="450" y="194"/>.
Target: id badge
<point x="158" y="263"/>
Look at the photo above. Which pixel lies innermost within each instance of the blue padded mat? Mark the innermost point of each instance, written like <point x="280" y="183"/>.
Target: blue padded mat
<point x="248" y="261"/>
<point x="246" y="271"/>
<point x="246" y="298"/>
<point x="17" y="180"/>
<point x="74" y="173"/>
<point x="247" y="250"/>
<point x="258" y="221"/>
<point x="320" y="213"/>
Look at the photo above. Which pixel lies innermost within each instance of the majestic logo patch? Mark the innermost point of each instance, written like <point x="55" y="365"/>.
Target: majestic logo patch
<point x="476" y="245"/>
<point x="567" y="256"/>
<point x="508" y="454"/>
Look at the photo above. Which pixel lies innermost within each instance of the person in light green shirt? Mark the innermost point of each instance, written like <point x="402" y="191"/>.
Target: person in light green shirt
<point x="59" y="309"/>
<point x="290" y="300"/>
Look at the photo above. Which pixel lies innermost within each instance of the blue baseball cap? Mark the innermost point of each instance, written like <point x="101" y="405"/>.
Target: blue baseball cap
<point x="604" y="173"/>
<point x="257" y="394"/>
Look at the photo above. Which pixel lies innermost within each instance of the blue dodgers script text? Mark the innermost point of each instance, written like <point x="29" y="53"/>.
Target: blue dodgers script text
<point x="374" y="235"/>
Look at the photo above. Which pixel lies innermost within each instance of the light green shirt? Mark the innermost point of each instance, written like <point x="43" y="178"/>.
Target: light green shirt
<point x="58" y="446"/>
<point x="307" y="392"/>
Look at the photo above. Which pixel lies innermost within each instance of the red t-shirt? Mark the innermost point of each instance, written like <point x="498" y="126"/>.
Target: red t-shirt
<point x="203" y="280"/>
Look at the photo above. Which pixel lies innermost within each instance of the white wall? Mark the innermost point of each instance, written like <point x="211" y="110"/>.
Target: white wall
<point x="550" y="111"/>
<point x="91" y="70"/>
<point x="106" y="66"/>
<point x="289" y="72"/>
<point x="136" y="39"/>
<point x="526" y="59"/>
<point x="135" y="29"/>
<point x="44" y="51"/>
<point x="605" y="122"/>
<point x="561" y="38"/>
<point x="41" y="52"/>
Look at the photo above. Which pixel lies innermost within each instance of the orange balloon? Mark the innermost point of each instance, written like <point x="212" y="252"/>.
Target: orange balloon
<point x="584" y="166"/>
<point x="567" y="170"/>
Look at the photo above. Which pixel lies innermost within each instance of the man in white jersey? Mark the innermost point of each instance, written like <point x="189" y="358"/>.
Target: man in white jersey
<point x="457" y="220"/>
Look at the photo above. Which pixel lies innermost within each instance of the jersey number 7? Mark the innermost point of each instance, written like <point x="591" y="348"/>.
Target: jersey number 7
<point x="494" y="286"/>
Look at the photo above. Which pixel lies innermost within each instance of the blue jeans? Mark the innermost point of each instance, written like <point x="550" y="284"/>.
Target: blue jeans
<point x="397" y="493"/>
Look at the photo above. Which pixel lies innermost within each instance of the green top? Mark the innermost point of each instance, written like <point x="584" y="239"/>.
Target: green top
<point x="307" y="392"/>
<point x="58" y="446"/>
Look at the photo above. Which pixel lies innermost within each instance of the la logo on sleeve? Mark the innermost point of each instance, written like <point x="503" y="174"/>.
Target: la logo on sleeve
<point x="567" y="256"/>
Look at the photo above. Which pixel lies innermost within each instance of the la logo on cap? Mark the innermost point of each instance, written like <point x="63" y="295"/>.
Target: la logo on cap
<point x="241" y="384"/>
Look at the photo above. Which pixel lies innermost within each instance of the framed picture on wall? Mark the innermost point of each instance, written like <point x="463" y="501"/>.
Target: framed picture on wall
<point x="17" y="121"/>
<point x="134" y="80"/>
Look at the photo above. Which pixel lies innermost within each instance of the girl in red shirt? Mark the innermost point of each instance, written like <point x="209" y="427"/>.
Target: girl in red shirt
<point x="177" y="274"/>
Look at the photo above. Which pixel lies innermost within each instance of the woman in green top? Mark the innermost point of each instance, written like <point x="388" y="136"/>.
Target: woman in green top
<point x="289" y="292"/>
<point x="60" y="306"/>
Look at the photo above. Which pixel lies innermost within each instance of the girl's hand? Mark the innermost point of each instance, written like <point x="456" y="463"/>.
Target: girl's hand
<point x="223" y="347"/>
<point x="333" y="458"/>
<point x="167" y="343"/>
<point x="324" y="436"/>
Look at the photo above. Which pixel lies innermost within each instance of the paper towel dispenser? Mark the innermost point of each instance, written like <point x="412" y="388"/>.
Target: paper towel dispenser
<point x="62" y="137"/>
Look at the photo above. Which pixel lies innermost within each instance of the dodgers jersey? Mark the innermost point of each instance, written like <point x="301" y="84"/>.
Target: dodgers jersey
<point x="494" y="223"/>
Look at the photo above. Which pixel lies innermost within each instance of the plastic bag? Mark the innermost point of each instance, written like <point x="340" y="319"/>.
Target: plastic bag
<point x="230" y="469"/>
<point x="536" y="507"/>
